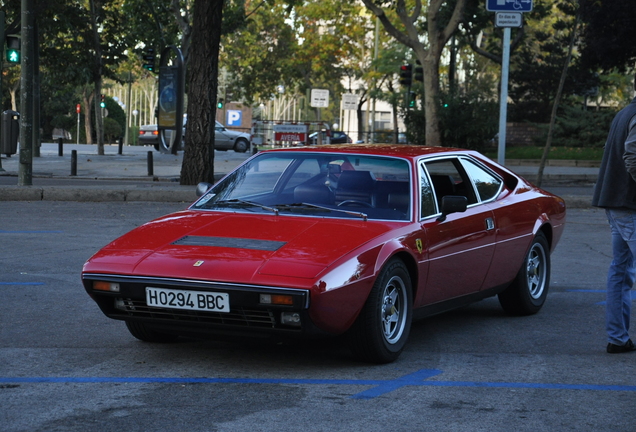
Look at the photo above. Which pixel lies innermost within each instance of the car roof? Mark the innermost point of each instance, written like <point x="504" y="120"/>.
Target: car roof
<point x="408" y="151"/>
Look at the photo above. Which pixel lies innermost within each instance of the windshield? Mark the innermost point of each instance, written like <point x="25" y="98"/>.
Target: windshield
<point x="316" y="184"/>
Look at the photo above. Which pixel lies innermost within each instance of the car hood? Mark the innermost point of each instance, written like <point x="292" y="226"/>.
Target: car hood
<point x="234" y="247"/>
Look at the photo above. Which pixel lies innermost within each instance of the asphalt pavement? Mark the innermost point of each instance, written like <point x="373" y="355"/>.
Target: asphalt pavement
<point x="140" y="173"/>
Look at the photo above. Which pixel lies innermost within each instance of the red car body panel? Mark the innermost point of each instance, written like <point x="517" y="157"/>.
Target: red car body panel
<point x="337" y="260"/>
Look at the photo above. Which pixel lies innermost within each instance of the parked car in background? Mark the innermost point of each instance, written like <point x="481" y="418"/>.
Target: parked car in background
<point x="354" y="240"/>
<point x="224" y="139"/>
<point x="337" y="137"/>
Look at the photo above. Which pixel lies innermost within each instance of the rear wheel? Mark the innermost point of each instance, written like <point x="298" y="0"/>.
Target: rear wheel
<point x="382" y="328"/>
<point x="527" y="293"/>
<point x="241" y="145"/>
<point x="147" y="334"/>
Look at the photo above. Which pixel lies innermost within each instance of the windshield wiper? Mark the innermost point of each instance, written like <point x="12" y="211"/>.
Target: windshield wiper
<point x="296" y="205"/>
<point x="249" y="203"/>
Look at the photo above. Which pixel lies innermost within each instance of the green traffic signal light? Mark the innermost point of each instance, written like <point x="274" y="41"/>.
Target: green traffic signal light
<point x="13" y="56"/>
<point x="13" y="49"/>
<point x="219" y="104"/>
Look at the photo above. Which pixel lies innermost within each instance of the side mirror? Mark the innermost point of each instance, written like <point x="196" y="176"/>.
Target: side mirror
<point x="452" y="204"/>
<point x="202" y="188"/>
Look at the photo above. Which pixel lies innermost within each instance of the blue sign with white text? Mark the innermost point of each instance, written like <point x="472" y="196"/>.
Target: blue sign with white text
<point x="509" y="5"/>
<point x="234" y="118"/>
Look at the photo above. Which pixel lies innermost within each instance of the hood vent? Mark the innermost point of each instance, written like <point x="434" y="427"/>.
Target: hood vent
<point x="230" y="242"/>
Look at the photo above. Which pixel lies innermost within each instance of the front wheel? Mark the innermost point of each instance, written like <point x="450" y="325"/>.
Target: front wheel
<point x="383" y="326"/>
<point x="241" y="146"/>
<point x="527" y="293"/>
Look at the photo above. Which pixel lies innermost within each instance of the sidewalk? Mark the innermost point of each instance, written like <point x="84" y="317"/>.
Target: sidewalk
<point x="125" y="177"/>
<point x="110" y="177"/>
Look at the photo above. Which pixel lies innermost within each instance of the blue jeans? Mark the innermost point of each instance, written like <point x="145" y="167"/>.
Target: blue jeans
<point x="621" y="275"/>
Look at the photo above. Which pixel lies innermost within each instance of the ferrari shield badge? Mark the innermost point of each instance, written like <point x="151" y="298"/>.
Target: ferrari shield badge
<point x="198" y="263"/>
<point x="418" y="244"/>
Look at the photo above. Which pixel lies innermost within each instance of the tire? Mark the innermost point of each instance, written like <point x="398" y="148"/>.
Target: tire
<point x="383" y="326"/>
<point x="527" y="293"/>
<point x="241" y="145"/>
<point x="162" y="148"/>
<point x="146" y="333"/>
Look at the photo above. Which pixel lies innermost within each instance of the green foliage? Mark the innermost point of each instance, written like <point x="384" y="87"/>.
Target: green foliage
<point x="556" y="153"/>
<point x="66" y="122"/>
<point x="466" y="121"/>
<point x="115" y="112"/>
<point x="112" y="130"/>
<point x="576" y="127"/>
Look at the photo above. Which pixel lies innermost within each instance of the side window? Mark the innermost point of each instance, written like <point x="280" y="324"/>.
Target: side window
<point x="449" y="178"/>
<point x="487" y="185"/>
<point x="427" y="198"/>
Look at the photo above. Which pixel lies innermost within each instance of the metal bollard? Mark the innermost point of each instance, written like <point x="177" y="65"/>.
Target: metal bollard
<point x="150" y="167"/>
<point x="121" y="144"/>
<point x="60" y="146"/>
<point x="73" y="162"/>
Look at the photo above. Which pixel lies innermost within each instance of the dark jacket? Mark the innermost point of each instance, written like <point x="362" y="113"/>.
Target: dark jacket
<point x="615" y="187"/>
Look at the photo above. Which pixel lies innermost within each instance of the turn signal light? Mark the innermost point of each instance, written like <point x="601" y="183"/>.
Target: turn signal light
<point x="277" y="299"/>
<point x="106" y="286"/>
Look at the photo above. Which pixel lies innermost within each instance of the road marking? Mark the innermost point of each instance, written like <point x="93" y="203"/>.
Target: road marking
<point x="30" y="232"/>
<point x="21" y="283"/>
<point x="379" y="387"/>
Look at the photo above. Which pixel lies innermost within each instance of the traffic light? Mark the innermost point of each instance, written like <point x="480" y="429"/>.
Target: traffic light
<point x="102" y="102"/>
<point x="219" y="104"/>
<point x="412" y="99"/>
<point x="149" y="59"/>
<point x="406" y="74"/>
<point x="419" y="73"/>
<point x="13" y="49"/>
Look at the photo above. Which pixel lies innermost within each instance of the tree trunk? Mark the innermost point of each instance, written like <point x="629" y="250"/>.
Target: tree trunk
<point x="202" y="76"/>
<point x="557" y="100"/>
<point x="88" y="129"/>
<point x="95" y="8"/>
<point x="430" y="67"/>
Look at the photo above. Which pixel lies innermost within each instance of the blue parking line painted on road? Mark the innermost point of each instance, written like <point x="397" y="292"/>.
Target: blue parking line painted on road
<point x="31" y="232"/>
<point x="586" y="290"/>
<point x="379" y="387"/>
<point x="21" y="283"/>
<point x="601" y="303"/>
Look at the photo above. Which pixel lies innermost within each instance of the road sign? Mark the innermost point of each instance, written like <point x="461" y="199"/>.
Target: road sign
<point x="234" y="118"/>
<point x="509" y="5"/>
<point x="349" y="101"/>
<point x="319" y="98"/>
<point x="290" y="133"/>
<point x="508" y="19"/>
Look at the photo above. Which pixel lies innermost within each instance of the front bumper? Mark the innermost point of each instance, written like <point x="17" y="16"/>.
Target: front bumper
<point x="247" y="315"/>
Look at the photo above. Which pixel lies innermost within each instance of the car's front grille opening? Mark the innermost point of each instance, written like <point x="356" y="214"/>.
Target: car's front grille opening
<point x="238" y="316"/>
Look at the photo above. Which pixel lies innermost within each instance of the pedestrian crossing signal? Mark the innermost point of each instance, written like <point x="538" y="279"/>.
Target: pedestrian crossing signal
<point x="13" y="50"/>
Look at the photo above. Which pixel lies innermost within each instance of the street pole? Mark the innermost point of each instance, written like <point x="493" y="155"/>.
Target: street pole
<point x="503" y="99"/>
<point x="2" y="16"/>
<point x="25" y="169"/>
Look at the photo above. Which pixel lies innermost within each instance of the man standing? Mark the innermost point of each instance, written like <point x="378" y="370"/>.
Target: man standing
<point x="615" y="191"/>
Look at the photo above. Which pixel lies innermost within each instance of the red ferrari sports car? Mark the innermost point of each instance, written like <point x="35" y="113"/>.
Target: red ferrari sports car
<point x="354" y="240"/>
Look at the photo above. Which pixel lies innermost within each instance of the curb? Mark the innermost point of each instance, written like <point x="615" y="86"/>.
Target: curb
<point x="185" y="194"/>
<point x="98" y="193"/>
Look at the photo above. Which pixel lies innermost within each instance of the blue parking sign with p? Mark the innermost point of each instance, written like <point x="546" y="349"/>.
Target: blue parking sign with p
<point x="509" y="5"/>
<point x="234" y="118"/>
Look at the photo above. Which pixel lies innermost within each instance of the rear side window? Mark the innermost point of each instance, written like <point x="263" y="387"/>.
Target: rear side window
<point x="486" y="184"/>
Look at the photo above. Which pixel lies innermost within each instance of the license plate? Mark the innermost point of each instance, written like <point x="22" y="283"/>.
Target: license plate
<point x="191" y="300"/>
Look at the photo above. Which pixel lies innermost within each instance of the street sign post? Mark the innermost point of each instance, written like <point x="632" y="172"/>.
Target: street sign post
<point x="509" y="5"/>
<point x="319" y="98"/>
<point x="508" y="19"/>
<point x="513" y="7"/>
<point x="349" y="101"/>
